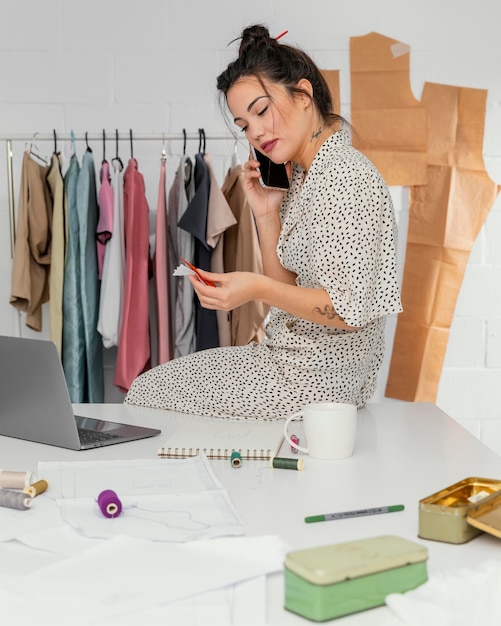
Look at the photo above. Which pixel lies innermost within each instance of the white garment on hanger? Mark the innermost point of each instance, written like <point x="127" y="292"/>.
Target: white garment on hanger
<point x="113" y="280"/>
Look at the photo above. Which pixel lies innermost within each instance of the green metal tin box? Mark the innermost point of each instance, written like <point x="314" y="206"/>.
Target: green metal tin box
<point x="331" y="581"/>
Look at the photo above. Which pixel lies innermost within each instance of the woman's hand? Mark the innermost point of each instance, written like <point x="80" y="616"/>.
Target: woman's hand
<point x="263" y="200"/>
<point x="233" y="289"/>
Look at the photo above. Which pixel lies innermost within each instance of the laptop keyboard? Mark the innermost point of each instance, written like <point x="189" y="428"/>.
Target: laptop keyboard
<point x="93" y="436"/>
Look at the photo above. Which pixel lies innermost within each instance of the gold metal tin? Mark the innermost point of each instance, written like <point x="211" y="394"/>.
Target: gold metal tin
<point x="443" y="515"/>
<point x="486" y="516"/>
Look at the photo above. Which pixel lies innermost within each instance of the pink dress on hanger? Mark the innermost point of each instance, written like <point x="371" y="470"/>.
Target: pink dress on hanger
<point x="134" y="349"/>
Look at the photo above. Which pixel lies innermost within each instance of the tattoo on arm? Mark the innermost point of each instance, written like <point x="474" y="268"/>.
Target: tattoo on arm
<point x="328" y="311"/>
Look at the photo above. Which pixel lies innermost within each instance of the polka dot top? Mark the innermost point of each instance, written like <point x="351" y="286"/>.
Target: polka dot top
<point x="338" y="233"/>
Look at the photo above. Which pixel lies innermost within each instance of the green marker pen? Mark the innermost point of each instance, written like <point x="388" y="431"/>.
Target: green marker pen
<point x="360" y="513"/>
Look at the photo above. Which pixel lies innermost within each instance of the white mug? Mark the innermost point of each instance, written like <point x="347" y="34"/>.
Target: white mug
<point x="330" y="429"/>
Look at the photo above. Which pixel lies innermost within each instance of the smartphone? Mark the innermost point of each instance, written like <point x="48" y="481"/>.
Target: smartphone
<point x="199" y="276"/>
<point x="272" y="174"/>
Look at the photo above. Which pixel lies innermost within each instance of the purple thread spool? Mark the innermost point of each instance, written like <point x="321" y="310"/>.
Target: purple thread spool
<point x="109" y="503"/>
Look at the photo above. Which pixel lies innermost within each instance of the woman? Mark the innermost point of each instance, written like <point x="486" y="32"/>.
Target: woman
<point x="329" y="256"/>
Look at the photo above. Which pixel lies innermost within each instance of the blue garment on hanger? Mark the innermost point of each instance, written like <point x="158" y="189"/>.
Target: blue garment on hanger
<point x="73" y="352"/>
<point x="88" y="215"/>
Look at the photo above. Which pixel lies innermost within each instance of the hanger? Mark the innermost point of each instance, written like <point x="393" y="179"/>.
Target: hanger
<point x="34" y="150"/>
<point x="131" y="146"/>
<point x="104" y="147"/>
<point x="73" y="143"/>
<point x="235" y="160"/>
<point x="164" y="153"/>
<point x="89" y="149"/>
<point x="55" y="141"/>
<point x="117" y="158"/>
<point x="201" y="140"/>
<point x="188" y="166"/>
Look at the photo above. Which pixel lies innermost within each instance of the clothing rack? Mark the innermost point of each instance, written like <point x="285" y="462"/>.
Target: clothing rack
<point x="115" y="136"/>
<point x="112" y="135"/>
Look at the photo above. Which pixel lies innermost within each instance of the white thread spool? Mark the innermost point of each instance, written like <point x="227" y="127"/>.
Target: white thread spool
<point x="15" y="480"/>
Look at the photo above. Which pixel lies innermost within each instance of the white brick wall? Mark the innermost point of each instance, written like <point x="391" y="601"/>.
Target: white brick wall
<point x="151" y="66"/>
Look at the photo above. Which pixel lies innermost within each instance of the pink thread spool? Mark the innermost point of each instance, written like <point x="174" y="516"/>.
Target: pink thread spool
<point x="109" y="503"/>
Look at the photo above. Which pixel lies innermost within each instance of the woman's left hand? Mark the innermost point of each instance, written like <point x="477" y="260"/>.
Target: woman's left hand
<point x="233" y="289"/>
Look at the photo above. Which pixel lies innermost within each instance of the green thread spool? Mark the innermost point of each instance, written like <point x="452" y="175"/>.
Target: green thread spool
<point x="236" y="459"/>
<point x="293" y="464"/>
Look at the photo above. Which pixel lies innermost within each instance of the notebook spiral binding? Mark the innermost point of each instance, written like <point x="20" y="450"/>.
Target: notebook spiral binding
<point x="214" y="453"/>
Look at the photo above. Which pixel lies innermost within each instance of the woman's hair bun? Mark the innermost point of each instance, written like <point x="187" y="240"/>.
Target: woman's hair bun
<point x="252" y="36"/>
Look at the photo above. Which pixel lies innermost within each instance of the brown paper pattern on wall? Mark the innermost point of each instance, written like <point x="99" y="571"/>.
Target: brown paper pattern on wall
<point x="332" y="80"/>
<point x="389" y="122"/>
<point x="445" y="217"/>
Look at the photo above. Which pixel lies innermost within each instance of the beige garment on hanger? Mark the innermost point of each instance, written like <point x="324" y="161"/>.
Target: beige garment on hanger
<point x="58" y="257"/>
<point x="32" y="249"/>
<point x="242" y="253"/>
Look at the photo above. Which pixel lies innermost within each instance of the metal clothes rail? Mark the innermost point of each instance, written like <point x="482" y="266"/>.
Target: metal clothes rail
<point x="112" y="136"/>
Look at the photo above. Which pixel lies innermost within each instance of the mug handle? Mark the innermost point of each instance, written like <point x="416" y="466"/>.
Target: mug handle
<point x="286" y="434"/>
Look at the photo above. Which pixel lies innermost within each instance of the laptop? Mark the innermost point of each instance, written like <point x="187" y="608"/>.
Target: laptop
<point x="35" y="403"/>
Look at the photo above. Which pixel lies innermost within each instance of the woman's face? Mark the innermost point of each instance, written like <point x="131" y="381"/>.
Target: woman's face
<point x="273" y="122"/>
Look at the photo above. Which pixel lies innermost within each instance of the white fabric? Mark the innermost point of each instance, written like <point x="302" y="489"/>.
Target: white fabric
<point x="134" y="582"/>
<point x="462" y="597"/>
<point x="113" y="278"/>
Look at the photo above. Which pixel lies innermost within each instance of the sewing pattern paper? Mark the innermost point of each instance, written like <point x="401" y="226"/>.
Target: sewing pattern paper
<point x="445" y="217"/>
<point x="173" y="500"/>
<point x="389" y="122"/>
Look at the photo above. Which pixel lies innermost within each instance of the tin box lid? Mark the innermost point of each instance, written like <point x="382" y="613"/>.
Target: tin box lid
<point x="333" y="563"/>
<point x="486" y="515"/>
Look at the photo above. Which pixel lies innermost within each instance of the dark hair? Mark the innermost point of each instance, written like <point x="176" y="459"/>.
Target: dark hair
<point x="265" y="58"/>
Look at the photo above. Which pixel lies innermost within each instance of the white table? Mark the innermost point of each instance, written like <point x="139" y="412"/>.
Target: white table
<point x="404" y="452"/>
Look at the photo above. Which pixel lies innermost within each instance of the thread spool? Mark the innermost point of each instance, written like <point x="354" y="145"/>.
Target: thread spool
<point x="35" y="489"/>
<point x="294" y="464"/>
<point x="14" y="499"/>
<point x="109" y="503"/>
<point x="15" y="480"/>
<point x="236" y="459"/>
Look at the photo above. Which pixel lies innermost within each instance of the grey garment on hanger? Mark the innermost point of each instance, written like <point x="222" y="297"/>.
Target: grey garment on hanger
<point x="181" y="245"/>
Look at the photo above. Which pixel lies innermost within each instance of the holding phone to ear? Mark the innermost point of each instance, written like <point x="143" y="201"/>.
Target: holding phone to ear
<point x="272" y="174"/>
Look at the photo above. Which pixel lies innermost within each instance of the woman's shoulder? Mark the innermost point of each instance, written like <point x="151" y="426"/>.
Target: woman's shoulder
<point x="339" y="157"/>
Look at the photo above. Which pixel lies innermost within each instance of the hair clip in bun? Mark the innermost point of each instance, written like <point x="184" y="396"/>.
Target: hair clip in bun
<point x="281" y="35"/>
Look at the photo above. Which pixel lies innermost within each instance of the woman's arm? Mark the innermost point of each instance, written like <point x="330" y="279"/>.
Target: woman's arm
<point x="237" y="288"/>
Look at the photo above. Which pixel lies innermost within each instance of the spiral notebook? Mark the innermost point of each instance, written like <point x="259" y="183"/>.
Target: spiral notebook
<point x="218" y="438"/>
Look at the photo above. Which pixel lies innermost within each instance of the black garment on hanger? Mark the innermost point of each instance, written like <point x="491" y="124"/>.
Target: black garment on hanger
<point x="194" y="221"/>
